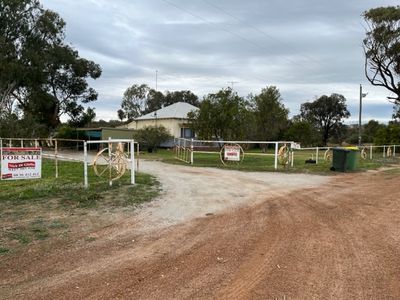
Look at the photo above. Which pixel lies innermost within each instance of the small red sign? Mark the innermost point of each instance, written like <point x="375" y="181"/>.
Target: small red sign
<point x="20" y="165"/>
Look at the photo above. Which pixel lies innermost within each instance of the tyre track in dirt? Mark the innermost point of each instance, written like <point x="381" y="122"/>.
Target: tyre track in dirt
<point x="340" y="240"/>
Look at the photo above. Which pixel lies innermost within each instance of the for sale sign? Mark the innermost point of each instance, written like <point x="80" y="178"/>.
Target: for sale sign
<point x="21" y="163"/>
<point x="232" y="153"/>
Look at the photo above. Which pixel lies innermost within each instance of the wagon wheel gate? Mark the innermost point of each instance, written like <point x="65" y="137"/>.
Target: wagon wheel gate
<point x="110" y="163"/>
<point x="231" y="154"/>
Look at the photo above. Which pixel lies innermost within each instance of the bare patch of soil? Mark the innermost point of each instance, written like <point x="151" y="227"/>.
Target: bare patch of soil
<point x="321" y="238"/>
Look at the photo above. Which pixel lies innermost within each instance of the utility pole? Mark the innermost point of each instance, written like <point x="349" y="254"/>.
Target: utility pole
<point x="359" y="115"/>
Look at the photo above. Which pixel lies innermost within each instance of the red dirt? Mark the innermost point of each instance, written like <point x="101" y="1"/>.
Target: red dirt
<point x="339" y="241"/>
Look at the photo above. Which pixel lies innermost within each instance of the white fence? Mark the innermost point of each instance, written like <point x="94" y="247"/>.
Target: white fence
<point x="71" y="150"/>
<point x="186" y="149"/>
<point x="368" y="152"/>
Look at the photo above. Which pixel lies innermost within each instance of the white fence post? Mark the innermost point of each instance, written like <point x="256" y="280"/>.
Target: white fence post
<point x="370" y="152"/>
<point x="316" y="155"/>
<point x="1" y="157"/>
<point x="132" y="162"/>
<point x="276" y="156"/>
<point x="191" y="152"/>
<point x="384" y="151"/>
<point x="109" y="160"/>
<point x="85" y="170"/>
<point x="138" y="156"/>
<point x="56" y="156"/>
<point x="292" y="162"/>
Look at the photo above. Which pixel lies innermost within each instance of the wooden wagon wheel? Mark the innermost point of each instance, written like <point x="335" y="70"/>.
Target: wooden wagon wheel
<point x="111" y="164"/>
<point x="389" y="152"/>
<point x="328" y="155"/>
<point x="283" y="155"/>
<point x="363" y="153"/>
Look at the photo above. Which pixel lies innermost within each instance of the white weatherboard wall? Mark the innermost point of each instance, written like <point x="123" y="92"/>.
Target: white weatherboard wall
<point x="173" y="125"/>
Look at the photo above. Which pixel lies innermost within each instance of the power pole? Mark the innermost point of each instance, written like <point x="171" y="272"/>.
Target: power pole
<point x="359" y="115"/>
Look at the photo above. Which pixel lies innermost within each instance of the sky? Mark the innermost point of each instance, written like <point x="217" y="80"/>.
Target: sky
<point x="306" y="48"/>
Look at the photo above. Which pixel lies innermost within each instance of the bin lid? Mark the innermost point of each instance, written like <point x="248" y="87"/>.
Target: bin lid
<point x="352" y="148"/>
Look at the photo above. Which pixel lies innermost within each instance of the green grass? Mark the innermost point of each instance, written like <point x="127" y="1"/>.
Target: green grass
<point x="35" y="210"/>
<point x="69" y="191"/>
<point x="4" y="250"/>
<point x="266" y="162"/>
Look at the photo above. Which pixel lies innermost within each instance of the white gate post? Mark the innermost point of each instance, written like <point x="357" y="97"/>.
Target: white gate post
<point x="132" y="162"/>
<point x="85" y="170"/>
<point x="191" y="152"/>
<point x="1" y="156"/>
<point x="109" y="160"/>
<point x="138" y="156"/>
<point x="56" y="156"/>
<point x="292" y="162"/>
<point x="276" y="156"/>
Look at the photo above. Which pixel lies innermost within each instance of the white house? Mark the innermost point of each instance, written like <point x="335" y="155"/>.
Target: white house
<point x="173" y="117"/>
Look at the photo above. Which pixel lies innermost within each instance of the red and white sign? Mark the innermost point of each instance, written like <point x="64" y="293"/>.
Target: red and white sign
<point x="21" y="163"/>
<point x="232" y="153"/>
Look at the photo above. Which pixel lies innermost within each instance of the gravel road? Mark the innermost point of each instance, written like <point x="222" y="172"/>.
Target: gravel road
<point x="217" y="234"/>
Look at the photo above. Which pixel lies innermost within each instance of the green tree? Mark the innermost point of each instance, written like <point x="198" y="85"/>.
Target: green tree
<point x="82" y="120"/>
<point x="26" y="31"/>
<point x="326" y="113"/>
<point x="181" y="96"/>
<point x="382" y="48"/>
<point x="302" y="131"/>
<point x="370" y="130"/>
<point x="134" y="101"/>
<point x="140" y="99"/>
<point x="37" y="69"/>
<point x="222" y="116"/>
<point x="388" y="135"/>
<point x="152" y="136"/>
<point x="155" y="100"/>
<point x="396" y="112"/>
<point x="271" y="116"/>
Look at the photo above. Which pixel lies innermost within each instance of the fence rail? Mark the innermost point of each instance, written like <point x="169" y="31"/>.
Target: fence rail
<point x="66" y="149"/>
<point x="189" y="150"/>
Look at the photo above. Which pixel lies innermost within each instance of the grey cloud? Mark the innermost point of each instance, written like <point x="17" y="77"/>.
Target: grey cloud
<point x="305" y="47"/>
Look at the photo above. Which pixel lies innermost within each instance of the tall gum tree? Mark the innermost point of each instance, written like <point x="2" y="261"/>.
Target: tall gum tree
<point x="37" y="69"/>
<point x="325" y="113"/>
<point x="382" y="49"/>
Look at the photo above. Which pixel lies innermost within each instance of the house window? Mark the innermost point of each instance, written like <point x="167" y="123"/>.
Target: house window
<point x="187" y="133"/>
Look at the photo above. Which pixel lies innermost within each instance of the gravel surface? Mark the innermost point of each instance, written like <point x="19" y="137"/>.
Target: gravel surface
<point x="190" y="193"/>
<point x="217" y="234"/>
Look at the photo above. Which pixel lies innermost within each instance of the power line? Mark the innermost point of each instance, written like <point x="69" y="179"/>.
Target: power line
<point x="230" y="32"/>
<point x="258" y="30"/>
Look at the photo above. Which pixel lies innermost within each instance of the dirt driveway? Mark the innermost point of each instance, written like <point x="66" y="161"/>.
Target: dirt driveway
<point x="231" y="235"/>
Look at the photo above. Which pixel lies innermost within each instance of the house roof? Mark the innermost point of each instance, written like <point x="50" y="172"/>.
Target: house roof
<point x="177" y="110"/>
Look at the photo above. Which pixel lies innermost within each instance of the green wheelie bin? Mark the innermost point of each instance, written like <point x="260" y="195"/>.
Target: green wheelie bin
<point x="345" y="159"/>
